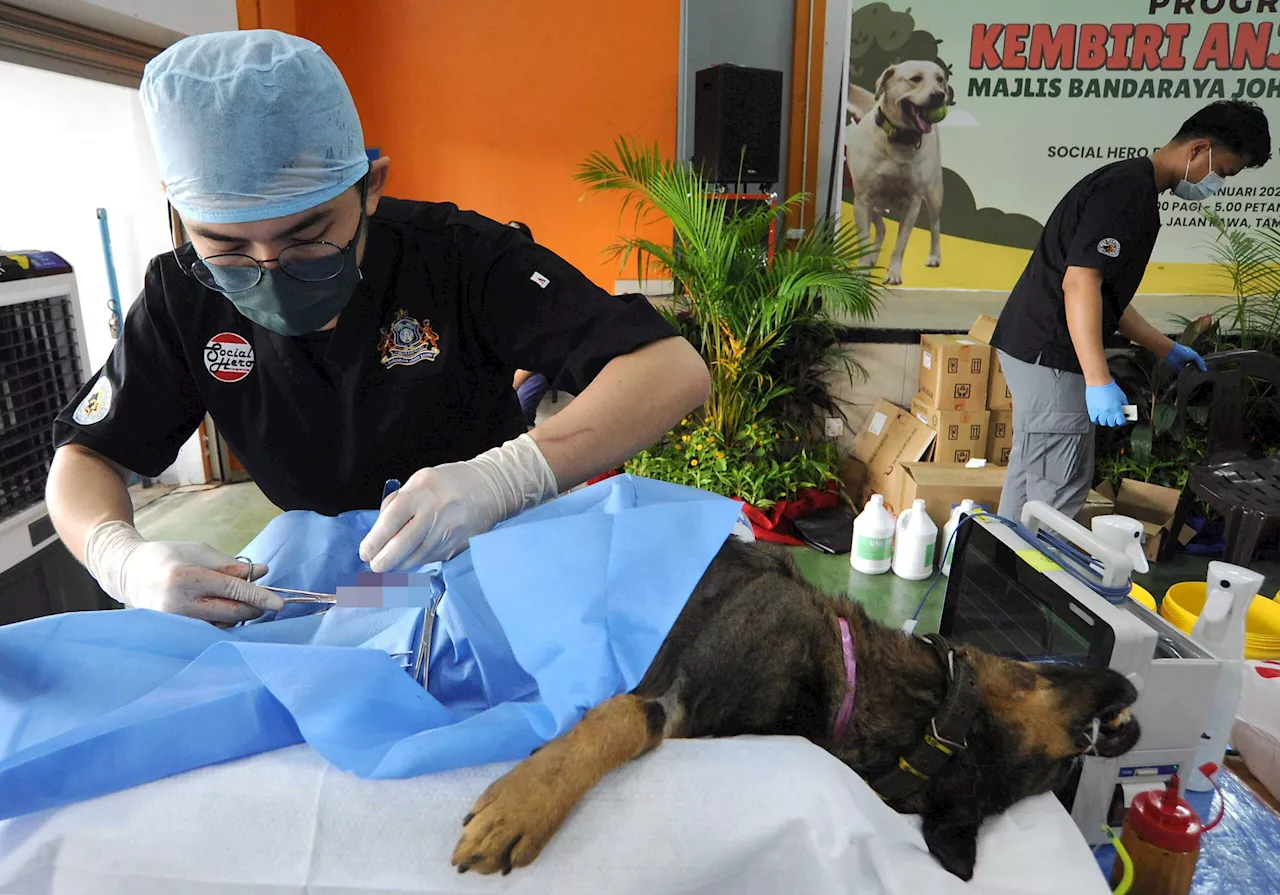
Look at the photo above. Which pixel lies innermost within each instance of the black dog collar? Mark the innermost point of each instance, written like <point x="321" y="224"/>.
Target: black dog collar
<point x="900" y="135"/>
<point x="946" y="733"/>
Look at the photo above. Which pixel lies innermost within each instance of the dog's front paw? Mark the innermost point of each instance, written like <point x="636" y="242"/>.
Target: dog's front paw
<point x="893" y="277"/>
<point x="512" y="822"/>
<point x="933" y="261"/>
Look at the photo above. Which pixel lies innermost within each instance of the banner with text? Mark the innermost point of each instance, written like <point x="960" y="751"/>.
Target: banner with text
<point x="1042" y="93"/>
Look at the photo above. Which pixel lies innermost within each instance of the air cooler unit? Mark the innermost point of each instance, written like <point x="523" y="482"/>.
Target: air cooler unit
<point x="42" y="365"/>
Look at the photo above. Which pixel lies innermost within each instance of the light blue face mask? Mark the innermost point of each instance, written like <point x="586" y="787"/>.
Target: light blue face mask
<point x="1208" y="186"/>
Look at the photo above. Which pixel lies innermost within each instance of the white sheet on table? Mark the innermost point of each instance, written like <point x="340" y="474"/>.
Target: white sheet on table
<point x="741" y="816"/>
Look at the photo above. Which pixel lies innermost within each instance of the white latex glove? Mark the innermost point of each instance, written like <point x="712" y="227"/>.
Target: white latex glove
<point x="435" y="513"/>
<point x="175" y="576"/>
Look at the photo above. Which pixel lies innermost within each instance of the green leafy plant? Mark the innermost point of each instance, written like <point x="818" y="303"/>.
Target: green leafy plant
<point x="763" y="465"/>
<point x="767" y="328"/>
<point x="1156" y="448"/>
<point x="1250" y="261"/>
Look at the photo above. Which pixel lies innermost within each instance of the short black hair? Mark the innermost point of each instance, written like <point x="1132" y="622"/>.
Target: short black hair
<point x="1233" y="124"/>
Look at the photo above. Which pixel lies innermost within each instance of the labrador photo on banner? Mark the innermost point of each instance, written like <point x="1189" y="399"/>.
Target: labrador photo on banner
<point x="968" y="122"/>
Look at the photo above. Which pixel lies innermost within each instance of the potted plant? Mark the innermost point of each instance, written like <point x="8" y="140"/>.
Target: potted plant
<point x="767" y="327"/>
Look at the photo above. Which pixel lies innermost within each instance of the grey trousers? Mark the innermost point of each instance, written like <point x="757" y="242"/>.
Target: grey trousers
<point x="1052" y="457"/>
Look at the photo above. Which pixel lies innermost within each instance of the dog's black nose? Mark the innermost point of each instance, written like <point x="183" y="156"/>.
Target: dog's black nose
<point x="937" y="98"/>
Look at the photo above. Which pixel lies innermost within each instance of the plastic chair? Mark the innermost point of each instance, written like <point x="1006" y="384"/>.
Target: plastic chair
<point x="1245" y="489"/>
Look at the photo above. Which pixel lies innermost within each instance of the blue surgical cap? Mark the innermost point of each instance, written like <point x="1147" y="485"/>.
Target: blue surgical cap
<point x="250" y="125"/>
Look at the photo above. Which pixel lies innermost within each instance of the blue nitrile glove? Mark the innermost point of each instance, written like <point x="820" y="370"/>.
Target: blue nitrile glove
<point x="1180" y="355"/>
<point x="1106" y="404"/>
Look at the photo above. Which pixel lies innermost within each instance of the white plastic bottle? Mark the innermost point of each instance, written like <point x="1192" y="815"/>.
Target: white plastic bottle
<point x="872" y="552"/>
<point x="958" y="512"/>
<point x="914" y="543"/>
<point x="1220" y="630"/>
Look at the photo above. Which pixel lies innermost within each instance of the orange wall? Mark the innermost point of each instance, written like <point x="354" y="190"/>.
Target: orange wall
<point x="492" y="104"/>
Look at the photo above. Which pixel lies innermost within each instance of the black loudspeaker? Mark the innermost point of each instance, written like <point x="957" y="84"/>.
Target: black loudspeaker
<point x="736" y="107"/>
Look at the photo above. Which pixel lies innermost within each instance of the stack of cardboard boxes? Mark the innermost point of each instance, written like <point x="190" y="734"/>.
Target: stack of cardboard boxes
<point x="999" y="401"/>
<point x="924" y="452"/>
<point x="952" y="396"/>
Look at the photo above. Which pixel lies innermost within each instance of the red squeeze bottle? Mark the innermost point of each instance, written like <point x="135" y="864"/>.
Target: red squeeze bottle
<point x="1162" y="835"/>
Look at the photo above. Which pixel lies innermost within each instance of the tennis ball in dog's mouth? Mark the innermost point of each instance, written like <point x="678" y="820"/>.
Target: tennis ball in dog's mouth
<point x="933" y="116"/>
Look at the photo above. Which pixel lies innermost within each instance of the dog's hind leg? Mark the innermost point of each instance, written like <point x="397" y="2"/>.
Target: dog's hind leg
<point x="893" y="276"/>
<point x="520" y="812"/>
<point x="933" y="204"/>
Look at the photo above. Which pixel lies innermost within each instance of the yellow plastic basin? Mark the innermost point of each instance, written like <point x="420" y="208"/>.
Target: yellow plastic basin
<point x="1184" y="601"/>
<point x="1140" y="594"/>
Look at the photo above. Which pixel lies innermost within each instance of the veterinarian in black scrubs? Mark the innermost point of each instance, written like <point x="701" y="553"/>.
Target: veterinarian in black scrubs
<point x="339" y="339"/>
<point x="1076" y="289"/>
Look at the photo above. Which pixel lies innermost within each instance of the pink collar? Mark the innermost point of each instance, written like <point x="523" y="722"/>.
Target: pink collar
<point x="850" y="676"/>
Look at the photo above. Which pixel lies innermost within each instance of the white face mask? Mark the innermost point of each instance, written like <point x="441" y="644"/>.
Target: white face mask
<point x="1197" y="192"/>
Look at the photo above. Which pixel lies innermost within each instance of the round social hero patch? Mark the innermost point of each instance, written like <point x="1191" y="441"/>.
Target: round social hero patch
<point x="229" y="357"/>
<point x="1109" y="247"/>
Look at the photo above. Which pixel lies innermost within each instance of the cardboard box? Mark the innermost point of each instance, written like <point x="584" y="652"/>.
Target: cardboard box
<point x="954" y="371"/>
<point x="1096" y="504"/>
<point x="853" y="479"/>
<point x="905" y="439"/>
<point x="1153" y="506"/>
<point x="961" y="434"/>
<point x="998" y="396"/>
<point x="943" y="485"/>
<point x="874" y="429"/>
<point x="1000" y="437"/>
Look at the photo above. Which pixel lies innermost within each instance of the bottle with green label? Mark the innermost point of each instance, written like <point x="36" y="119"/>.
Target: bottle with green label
<point x="872" y="552"/>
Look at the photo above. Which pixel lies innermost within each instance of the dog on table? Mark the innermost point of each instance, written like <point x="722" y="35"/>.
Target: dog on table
<point x="955" y="735"/>
<point x="894" y="156"/>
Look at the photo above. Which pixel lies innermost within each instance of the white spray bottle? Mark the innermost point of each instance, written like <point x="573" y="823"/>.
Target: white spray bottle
<point x="872" y="552"/>
<point x="1220" y="630"/>
<point x="958" y="512"/>
<point x="914" y="543"/>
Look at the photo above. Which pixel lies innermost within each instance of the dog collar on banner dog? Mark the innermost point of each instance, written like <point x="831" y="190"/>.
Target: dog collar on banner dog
<point x="850" y="677"/>
<point x="905" y="136"/>
<point x="947" y="731"/>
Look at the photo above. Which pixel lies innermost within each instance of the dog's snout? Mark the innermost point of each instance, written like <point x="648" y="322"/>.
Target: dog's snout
<point x="937" y="98"/>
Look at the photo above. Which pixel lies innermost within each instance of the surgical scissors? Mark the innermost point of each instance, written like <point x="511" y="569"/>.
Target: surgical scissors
<point x="295" y="596"/>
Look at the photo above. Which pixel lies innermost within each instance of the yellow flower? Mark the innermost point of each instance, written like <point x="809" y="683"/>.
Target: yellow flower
<point x="693" y="462"/>
<point x="719" y="455"/>
<point x="684" y="437"/>
<point x="685" y="421"/>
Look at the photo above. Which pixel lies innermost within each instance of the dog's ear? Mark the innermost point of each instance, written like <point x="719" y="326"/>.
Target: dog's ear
<point x="883" y="80"/>
<point x="951" y="95"/>
<point x="951" y="833"/>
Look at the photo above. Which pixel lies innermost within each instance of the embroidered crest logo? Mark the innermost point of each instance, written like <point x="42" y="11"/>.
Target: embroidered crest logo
<point x="407" y="342"/>
<point x="1109" y="247"/>
<point x="96" y="405"/>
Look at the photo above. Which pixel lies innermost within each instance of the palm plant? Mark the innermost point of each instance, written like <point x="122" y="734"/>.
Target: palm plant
<point x="742" y="308"/>
<point x="1250" y="261"/>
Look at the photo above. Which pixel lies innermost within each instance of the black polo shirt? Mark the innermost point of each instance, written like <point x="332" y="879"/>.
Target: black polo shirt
<point x="417" y="372"/>
<point x="1108" y="222"/>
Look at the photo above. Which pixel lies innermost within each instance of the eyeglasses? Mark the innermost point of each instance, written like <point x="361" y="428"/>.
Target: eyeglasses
<point x="310" y="262"/>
